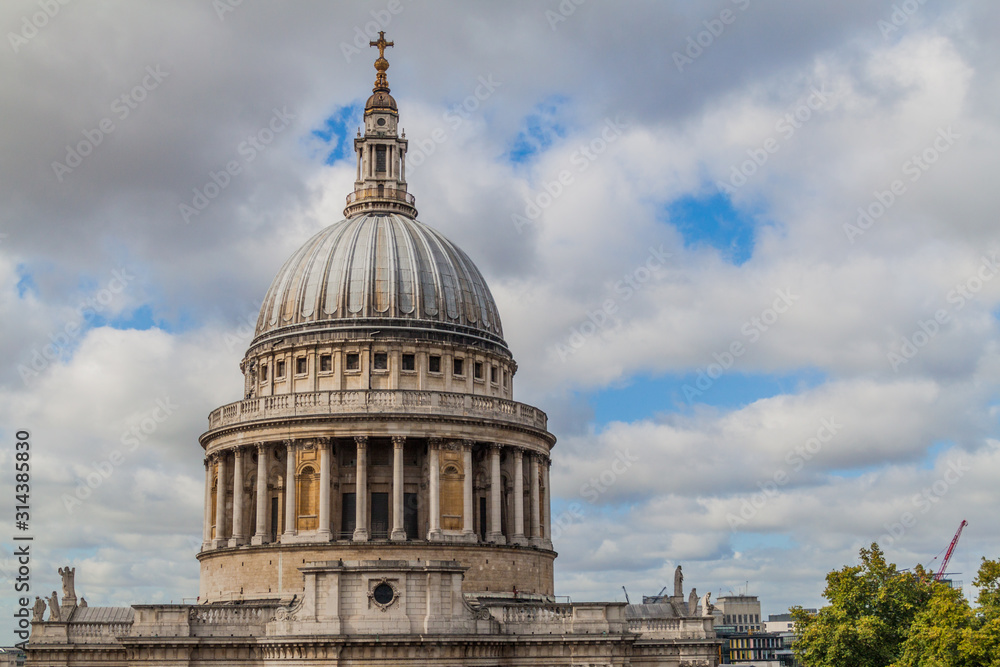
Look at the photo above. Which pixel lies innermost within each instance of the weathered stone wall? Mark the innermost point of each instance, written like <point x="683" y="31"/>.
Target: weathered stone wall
<point x="271" y="571"/>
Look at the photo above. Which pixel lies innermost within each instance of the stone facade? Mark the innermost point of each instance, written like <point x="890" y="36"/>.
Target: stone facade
<point x="377" y="496"/>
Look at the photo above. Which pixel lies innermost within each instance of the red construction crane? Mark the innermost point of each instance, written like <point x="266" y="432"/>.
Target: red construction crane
<point x="951" y="550"/>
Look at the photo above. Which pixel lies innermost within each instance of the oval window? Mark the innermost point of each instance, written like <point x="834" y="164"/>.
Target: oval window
<point x="380" y="121"/>
<point x="383" y="594"/>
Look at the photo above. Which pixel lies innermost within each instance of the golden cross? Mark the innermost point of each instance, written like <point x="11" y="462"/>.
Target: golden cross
<point x="381" y="43"/>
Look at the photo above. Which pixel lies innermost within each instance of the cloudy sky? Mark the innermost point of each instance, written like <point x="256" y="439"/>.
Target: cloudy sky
<point x="745" y="249"/>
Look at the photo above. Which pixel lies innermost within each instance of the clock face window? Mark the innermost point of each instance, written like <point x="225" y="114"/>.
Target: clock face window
<point x="380" y="121"/>
<point x="383" y="594"/>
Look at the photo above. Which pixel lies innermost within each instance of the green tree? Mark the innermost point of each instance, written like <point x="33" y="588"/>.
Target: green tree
<point x="867" y="622"/>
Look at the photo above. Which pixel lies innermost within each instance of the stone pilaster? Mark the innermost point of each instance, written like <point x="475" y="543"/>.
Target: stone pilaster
<point x="206" y="532"/>
<point x="536" y="519"/>
<point x="220" y="502"/>
<point x="467" y="506"/>
<point x="518" y="536"/>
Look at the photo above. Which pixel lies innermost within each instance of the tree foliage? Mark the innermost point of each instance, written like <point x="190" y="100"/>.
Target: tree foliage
<point x="880" y="617"/>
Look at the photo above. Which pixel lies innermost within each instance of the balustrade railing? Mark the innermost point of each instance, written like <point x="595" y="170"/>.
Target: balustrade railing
<point x="377" y="401"/>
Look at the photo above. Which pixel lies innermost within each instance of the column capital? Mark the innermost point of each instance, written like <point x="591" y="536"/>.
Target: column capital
<point x="291" y="445"/>
<point x="260" y="446"/>
<point x="467" y="445"/>
<point x="495" y="446"/>
<point x="239" y="450"/>
<point x="398" y="441"/>
<point x="434" y="443"/>
<point x="361" y="441"/>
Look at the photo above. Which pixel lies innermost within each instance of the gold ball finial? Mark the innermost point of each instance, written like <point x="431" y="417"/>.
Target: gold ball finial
<point x="381" y="64"/>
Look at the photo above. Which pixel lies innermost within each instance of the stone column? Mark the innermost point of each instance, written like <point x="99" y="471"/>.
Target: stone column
<point x="518" y="537"/>
<point x="238" y="537"/>
<point x="398" y="534"/>
<point x="260" y="533"/>
<point x="467" y="509"/>
<point x="434" y="471"/>
<point x="206" y="531"/>
<point x="496" y="497"/>
<point x="361" y="490"/>
<point x="536" y="521"/>
<point x="220" y="502"/>
<point x="291" y="511"/>
<point x="546" y="508"/>
<point x="324" y="533"/>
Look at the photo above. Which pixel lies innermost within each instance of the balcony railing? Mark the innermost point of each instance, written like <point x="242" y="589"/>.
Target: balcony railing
<point x="359" y="402"/>
<point x="381" y="193"/>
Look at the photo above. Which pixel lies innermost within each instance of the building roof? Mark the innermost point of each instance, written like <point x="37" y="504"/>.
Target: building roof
<point x="384" y="267"/>
<point x="103" y="615"/>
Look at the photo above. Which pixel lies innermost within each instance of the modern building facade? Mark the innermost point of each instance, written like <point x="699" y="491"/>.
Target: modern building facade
<point x="377" y="496"/>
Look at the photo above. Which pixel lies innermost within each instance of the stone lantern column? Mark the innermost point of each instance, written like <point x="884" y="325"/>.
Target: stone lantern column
<point x="206" y="532"/>
<point x="398" y="534"/>
<point x="361" y="490"/>
<point x="536" y="520"/>
<point x="547" y="508"/>
<point x="220" y="502"/>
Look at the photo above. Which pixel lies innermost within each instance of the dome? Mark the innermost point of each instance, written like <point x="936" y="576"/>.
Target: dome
<point x="379" y="271"/>
<point x="381" y="100"/>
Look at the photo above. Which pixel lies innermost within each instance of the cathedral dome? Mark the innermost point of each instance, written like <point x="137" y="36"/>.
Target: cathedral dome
<point x="379" y="271"/>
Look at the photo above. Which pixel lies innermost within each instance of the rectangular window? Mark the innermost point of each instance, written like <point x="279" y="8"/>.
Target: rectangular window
<point x="477" y="370"/>
<point x="348" y="515"/>
<point x="281" y="369"/>
<point x="409" y="362"/>
<point x="300" y="366"/>
<point x="380" y="159"/>
<point x="458" y="367"/>
<point x="494" y="378"/>
<point x="353" y="361"/>
<point x="263" y="372"/>
<point x="434" y="364"/>
<point x="381" y="361"/>
<point x="325" y="363"/>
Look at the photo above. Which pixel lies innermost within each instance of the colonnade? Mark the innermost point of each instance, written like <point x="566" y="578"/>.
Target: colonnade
<point x="225" y="529"/>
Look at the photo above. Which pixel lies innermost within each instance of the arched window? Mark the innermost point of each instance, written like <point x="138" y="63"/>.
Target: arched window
<point x="307" y="499"/>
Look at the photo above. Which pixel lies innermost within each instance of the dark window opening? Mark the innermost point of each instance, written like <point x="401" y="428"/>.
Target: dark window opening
<point x="281" y="369"/>
<point x="380" y="158"/>
<point x="263" y="372"/>
<point x="493" y="375"/>
<point x="458" y="367"/>
<point x="381" y="361"/>
<point x="409" y="362"/>
<point x="380" y="516"/>
<point x="353" y="361"/>
<point x="300" y="365"/>
<point x="348" y="516"/>
<point x="410" y="515"/>
<point x="477" y="370"/>
<point x="325" y="363"/>
<point x="482" y="519"/>
<point x="434" y="364"/>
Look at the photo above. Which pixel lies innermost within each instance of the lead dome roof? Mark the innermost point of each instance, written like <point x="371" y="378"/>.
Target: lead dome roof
<point x="379" y="271"/>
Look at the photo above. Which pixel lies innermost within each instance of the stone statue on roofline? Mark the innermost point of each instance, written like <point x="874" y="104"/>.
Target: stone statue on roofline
<point x="54" y="616"/>
<point x="706" y="608"/>
<point x="38" y="610"/>
<point x="679" y="583"/>
<point x="693" y="602"/>
<point x="68" y="574"/>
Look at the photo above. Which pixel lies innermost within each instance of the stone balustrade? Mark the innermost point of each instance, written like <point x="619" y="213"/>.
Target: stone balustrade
<point x="561" y="618"/>
<point x="358" y="402"/>
<point x="96" y="633"/>
<point x="673" y="628"/>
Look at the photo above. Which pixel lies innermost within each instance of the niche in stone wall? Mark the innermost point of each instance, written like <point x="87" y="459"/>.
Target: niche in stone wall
<point x="452" y="489"/>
